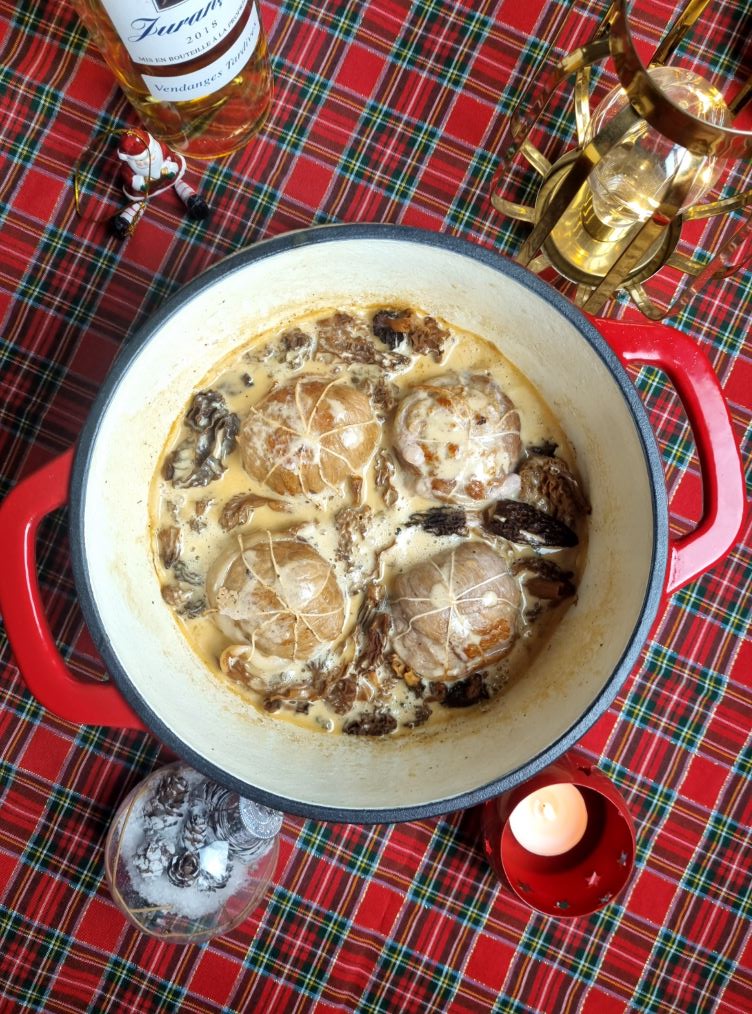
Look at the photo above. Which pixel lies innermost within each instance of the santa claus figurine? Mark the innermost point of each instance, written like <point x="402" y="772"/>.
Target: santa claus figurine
<point x="147" y="168"/>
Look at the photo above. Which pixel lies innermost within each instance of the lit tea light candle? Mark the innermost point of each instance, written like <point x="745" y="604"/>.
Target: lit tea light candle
<point x="550" y="821"/>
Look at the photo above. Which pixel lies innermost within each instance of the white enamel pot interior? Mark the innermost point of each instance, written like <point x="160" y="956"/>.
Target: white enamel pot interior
<point x="479" y="754"/>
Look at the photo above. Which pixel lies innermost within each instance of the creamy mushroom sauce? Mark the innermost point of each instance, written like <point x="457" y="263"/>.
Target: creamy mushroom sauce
<point x="367" y="555"/>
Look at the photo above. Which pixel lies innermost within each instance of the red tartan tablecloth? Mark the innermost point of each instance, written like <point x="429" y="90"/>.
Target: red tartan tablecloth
<point x="384" y="111"/>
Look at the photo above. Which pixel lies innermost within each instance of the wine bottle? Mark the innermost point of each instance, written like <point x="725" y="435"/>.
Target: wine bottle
<point x="196" y="71"/>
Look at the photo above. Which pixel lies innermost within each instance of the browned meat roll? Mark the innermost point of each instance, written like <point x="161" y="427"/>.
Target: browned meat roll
<point x="455" y="612"/>
<point x="458" y="437"/>
<point x="278" y="595"/>
<point x="308" y="436"/>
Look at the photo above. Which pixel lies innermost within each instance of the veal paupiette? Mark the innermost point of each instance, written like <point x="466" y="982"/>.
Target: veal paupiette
<point x="367" y="521"/>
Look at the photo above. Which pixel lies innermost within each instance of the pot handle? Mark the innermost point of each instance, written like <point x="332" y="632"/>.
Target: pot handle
<point x="42" y="667"/>
<point x="700" y="393"/>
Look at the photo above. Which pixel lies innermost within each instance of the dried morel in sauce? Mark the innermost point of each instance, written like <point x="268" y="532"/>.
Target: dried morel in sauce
<point x="374" y="723"/>
<point x="184" y="601"/>
<point x="465" y="693"/>
<point x="519" y="522"/>
<point x="384" y="472"/>
<point x="547" y="484"/>
<point x="420" y="716"/>
<point x="295" y="348"/>
<point x="441" y="520"/>
<point x="294" y="699"/>
<point x="239" y="509"/>
<point x="184" y="573"/>
<point x="175" y="596"/>
<point x="428" y="338"/>
<point x="177" y="464"/>
<point x="193" y="608"/>
<point x="336" y="685"/>
<point x="423" y="335"/>
<point x="383" y="393"/>
<point x="341" y="695"/>
<point x="545" y="579"/>
<point x="198" y="522"/>
<point x="391" y="326"/>
<point x="333" y="684"/>
<point x="341" y="337"/>
<point x="170" y="542"/>
<point x="352" y="525"/>
<point x="551" y="589"/>
<point x="373" y="627"/>
<point x="201" y="459"/>
<point x="375" y="633"/>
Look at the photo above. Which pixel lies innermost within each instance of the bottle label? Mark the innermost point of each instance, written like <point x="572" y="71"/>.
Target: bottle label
<point x="161" y="33"/>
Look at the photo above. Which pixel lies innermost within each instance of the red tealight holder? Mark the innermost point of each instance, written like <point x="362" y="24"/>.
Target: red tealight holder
<point x="587" y="877"/>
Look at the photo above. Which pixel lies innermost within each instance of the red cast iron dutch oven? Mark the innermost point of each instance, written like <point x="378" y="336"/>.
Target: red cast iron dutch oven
<point x="576" y="365"/>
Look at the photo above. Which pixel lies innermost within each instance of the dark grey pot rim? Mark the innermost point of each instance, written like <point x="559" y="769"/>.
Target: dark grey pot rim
<point x="372" y="232"/>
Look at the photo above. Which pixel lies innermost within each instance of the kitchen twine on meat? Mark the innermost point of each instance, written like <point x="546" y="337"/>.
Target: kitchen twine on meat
<point x="79" y="173"/>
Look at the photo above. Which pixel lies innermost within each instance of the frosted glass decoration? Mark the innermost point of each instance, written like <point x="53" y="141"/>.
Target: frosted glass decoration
<point x="170" y="867"/>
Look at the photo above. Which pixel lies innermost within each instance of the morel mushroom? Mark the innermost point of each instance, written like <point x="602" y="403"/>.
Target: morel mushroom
<point x="309" y="435"/>
<point x="459" y="437"/>
<point x="295" y="348"/>
<point x="424" y="335"/>
<point x="545" y="579"/>
<point x="276" y="594"/>
<point x="371" y="723"/>
<point x="455" y="612"/>
<point x="352" y="528"/>
<point x="384" y="478"/>
<point x="391" y="326"/>
<point x="547" y="484"/>
<point x="465" y="693"/>
<point x="170" y="542"/>
<point x="519" y="522"/>
<point x="441" y="520"/>
<point x="239" y="509"/>
<point x="201" y="462"/>
<point x="344" y="338"/>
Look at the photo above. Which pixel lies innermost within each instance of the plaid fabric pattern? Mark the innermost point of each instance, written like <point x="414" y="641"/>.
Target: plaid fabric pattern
<point x="384" y="111"/>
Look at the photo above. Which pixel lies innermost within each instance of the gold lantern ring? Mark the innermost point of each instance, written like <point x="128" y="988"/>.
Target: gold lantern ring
<point x="696" y="135"/>
<point x="602" y="255"/>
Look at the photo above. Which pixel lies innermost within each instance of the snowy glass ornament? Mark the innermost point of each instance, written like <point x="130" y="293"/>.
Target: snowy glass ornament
<point x="186" y="859"/>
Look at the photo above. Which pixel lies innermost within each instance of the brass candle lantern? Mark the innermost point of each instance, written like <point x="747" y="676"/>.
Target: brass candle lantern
<point x="609" y="213"/>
